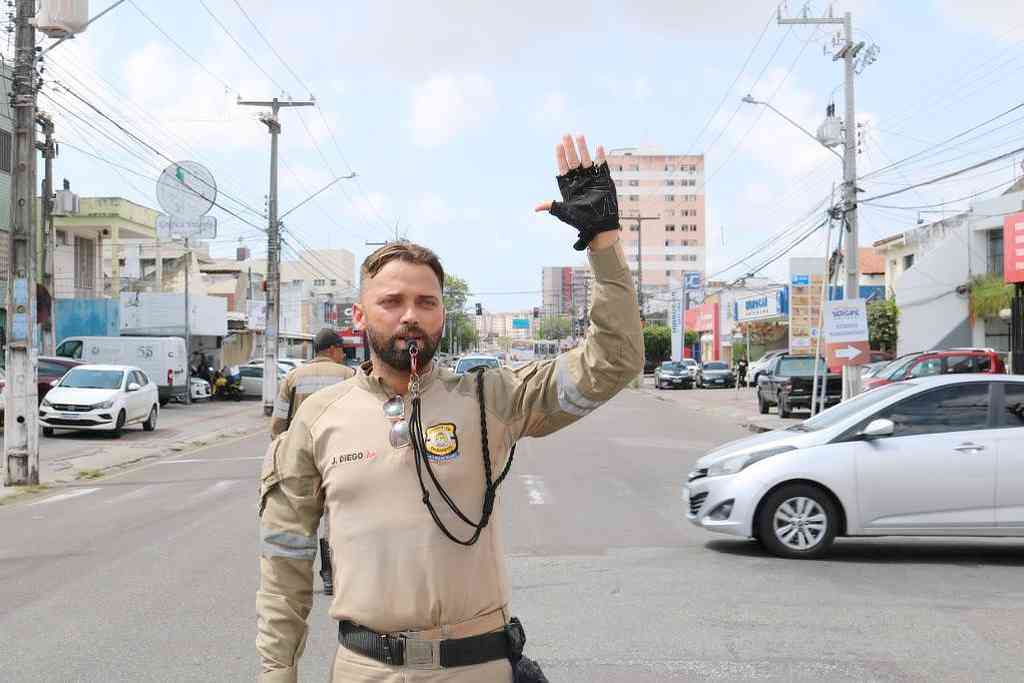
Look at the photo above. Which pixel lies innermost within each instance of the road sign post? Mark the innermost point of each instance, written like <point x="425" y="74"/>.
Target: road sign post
<point x="846" y="335"/>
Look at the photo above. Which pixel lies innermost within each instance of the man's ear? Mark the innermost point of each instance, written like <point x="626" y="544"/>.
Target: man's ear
<point x="358" y="316"/>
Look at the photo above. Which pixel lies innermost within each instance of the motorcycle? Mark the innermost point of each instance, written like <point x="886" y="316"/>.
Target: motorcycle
<point x="227" y="385"/>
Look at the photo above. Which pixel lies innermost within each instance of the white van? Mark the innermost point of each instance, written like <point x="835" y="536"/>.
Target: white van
<point x="163" y="359"/>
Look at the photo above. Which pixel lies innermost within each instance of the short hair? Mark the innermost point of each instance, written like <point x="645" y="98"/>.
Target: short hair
<point x="402" y="250"/>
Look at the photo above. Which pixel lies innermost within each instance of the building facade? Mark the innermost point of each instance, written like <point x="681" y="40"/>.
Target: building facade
<point x="669" y="188"/>
<point x="566" y="291"/>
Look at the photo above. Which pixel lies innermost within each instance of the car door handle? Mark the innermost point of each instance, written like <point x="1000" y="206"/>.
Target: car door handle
<point x="969" y="448"/>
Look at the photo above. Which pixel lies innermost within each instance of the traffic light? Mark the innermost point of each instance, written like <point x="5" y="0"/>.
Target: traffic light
<point x="536" y="312"/>
<point x="479" y="309"/>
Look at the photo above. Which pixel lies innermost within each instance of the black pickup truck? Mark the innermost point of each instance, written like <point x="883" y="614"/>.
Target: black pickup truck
<point x="788" y="381"/>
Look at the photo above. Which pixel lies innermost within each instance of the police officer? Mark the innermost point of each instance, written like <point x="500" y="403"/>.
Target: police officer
<point x="422" y="595"/>
<point x="326" y="369"/>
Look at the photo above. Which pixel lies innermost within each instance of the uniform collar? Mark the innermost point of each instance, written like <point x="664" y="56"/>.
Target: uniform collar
<point x="375" y="384"/>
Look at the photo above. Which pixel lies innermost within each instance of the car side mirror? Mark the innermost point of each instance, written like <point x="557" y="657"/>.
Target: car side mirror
<point x="133" y="387"/>
<point x="877" y="429"/>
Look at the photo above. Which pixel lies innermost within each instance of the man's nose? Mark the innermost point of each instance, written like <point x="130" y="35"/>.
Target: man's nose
<point x="409" y="316"/>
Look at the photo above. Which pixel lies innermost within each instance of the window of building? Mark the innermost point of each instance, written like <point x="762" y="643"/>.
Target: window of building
<point x="85" y="263"/>
<point x="618" y="183"/>
<point x="670" y="198"/>
<point x="634" y="167"/>
<point x="670" y="257"/>
<point x="296" y="282"/>
<point x="908" y="261"/>
<point x="5" y="151"/>
<point x="668" y="272"/>
<point x="669" y="167"/>
<point x="319" y="282"/>
<point x="669" y="212"/>
<point x="995" y="252"/>
<point x="620" y="167"/>
<point x="670" y="228"/>
<point x="670" y="182"/>
<point x="334" y="283"/>
<point x="668" y="243"/>
<point x="634" y="183"/>
<point x="634" y="228"/>
<point x="634" y="197"/>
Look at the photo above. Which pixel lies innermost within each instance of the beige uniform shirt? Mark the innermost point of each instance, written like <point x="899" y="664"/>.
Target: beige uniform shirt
<point x="396" y="570"/>
<point x="305" y="380"/>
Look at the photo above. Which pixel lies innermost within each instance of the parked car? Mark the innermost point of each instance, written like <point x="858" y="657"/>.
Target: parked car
<point x="944" y="362"/>
<point x="691" y="367"/>
<point x="935" y="456"/>
<point x="252" y="378"/>
<point x="289" y="363"/>
<point x="788" y="381"/>
<point x="101" y="397"/>
<point x="49" y="371"/>
<point x="467" y="363"/>
<point x="760" y="366"/>
<point x="870" y="369"/>
<point x="163" y="359"/>
<point x="201" y="390"/>
<point x="671" y="374"/>
<point x="715" y="374"/>
<point x="650" y="365"/>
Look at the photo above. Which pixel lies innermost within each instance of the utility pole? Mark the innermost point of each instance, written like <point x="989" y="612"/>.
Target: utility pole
<point x="639" y="258"/>
<point x="270" y="337"/>
<point x="188" y="325"/>
<point x="49" y="149"/>
<point x="21" y="426"/>
<point x="848" y="51"/>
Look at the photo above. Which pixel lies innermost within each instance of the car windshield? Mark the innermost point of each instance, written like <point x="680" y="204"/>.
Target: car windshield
<point x="896" y="368"/>
<point x="799" y="367"/>
<point x="838" y="413"/>
<point x="672" y="367"/>
<point x="92" y="379"/>
<point x="716" y="366"/>
<point x="469" y="363"/>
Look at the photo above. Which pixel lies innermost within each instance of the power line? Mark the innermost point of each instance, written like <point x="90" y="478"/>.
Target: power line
<point x="272" y="49"/>
<point x="240" y="46"/>
<point x="946" y="203"/>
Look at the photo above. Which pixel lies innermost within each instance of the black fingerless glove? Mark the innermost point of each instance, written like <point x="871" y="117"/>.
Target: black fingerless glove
<point x="589" y="202"/>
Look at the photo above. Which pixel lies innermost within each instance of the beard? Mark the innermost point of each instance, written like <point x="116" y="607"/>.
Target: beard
<point x="387" y="349"/>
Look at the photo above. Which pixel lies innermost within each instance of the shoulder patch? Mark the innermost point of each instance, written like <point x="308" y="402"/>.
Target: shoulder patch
<point x="442" y="442"/>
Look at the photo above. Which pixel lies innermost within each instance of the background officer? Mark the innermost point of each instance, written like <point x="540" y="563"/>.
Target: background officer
<point x="325" y="369"/>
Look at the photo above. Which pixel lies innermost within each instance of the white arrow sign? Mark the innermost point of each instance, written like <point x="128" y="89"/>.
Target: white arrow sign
<point x="849" y="353"/>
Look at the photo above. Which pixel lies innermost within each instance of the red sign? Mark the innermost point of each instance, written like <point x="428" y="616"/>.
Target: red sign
<point x="704" y="318"/>
<point x="839" y="354"/>
<point x="1013" y="247"/>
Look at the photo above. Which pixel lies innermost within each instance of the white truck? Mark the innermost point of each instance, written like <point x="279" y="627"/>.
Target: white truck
<point x="163" y="359"/>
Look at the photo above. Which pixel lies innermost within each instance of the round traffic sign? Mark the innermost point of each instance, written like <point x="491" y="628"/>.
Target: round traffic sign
<point x="186" y="190"/>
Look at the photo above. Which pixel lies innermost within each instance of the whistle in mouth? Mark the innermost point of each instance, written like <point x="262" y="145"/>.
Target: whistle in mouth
<point x="413" y="347"/>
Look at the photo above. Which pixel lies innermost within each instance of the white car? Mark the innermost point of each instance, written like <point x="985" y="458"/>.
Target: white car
<point x="252" y="378"/>
<point x="760" y="366"/>
<point x="200" y="389"/>
<point x="935" y="456"/>
<point x="101" y="398"/>
<point x="467" y="363"/>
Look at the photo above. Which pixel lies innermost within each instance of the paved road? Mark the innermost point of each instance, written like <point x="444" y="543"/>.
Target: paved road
<point x="151" y="576"/>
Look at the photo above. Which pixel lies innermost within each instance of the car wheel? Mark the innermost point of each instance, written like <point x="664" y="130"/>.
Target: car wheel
<point x="47" y="431"/>
<point x="798" y="521"/>
<point x="657" y="384"/>
<point x="118" y="426"/>
<point x="150" y="424"/>
<point x="762" y="405"/>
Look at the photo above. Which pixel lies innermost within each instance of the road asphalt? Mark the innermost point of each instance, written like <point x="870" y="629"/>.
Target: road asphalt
<point x="151" y="574"/>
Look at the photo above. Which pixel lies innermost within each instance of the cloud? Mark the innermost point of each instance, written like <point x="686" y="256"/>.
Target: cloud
<point x="552" y="111"/>
<point x="446" y="105"/>
<point x="989" y="16"/>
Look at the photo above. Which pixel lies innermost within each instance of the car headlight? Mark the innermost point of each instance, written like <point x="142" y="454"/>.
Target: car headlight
<point x="739" y="462"/>
<point x="105" y="404"/>
<point x="47" y="404"/>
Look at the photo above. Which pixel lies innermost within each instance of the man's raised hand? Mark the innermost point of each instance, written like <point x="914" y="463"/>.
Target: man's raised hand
<point x="589" y="202"/>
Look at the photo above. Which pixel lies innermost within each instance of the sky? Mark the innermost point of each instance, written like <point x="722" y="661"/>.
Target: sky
<point x="448" y="112"/>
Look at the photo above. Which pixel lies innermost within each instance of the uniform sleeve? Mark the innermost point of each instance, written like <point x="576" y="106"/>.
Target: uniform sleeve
<point x="291" y="504"/>
<point x="282" y="406"/>
<point x="543" y="397"/>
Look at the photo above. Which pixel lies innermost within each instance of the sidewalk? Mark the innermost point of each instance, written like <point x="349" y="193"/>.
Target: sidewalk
<point x="739" y="405"/>
<point x="74" y="456"/>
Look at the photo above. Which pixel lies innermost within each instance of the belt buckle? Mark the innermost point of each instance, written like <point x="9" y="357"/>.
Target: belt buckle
<point x="423" y="655"/>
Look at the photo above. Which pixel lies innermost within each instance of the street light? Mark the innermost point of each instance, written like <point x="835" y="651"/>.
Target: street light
<point x="750" y="100"/>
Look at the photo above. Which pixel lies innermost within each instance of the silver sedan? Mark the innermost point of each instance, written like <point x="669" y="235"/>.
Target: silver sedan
<point x="937" y="456"/>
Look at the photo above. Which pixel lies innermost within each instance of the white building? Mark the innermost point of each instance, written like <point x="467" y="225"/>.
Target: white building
<point x="929" y="269"/>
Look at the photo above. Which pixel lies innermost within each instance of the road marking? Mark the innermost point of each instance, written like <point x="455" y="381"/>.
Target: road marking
<point x="187" y="460"/>
<point x="66" y="496"/>
<point x="216" y="488"/>
<point x="536" y="489"/>
<point x="131" y="494"/>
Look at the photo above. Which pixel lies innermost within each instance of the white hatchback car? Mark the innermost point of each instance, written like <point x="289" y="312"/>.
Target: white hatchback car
<point x="936" y="456"/>
<point x="100" y="398"/>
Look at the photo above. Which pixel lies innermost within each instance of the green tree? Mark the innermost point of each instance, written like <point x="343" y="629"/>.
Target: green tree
<point x="989" y="295"/>
<point x="456" y="294"/>
<point x="690" y="337"/>
<point x="883" y="324"/>
<point x="458" y="326"/>
<point x="554" y="328"/>
<point x="657" y="342"/>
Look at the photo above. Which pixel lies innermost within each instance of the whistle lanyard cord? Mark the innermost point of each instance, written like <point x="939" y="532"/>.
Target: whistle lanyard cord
<point x="491" y="487"/>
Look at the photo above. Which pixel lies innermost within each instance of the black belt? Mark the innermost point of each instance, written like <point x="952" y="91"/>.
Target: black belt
<point x="433" y="654"/>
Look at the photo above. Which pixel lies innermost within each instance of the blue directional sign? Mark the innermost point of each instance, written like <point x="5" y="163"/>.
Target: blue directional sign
<point x="692" y="280"/>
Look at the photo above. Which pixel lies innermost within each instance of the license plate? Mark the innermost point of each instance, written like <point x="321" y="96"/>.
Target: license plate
<point x="719" y="381"/>
<point x="68" y="416"/>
